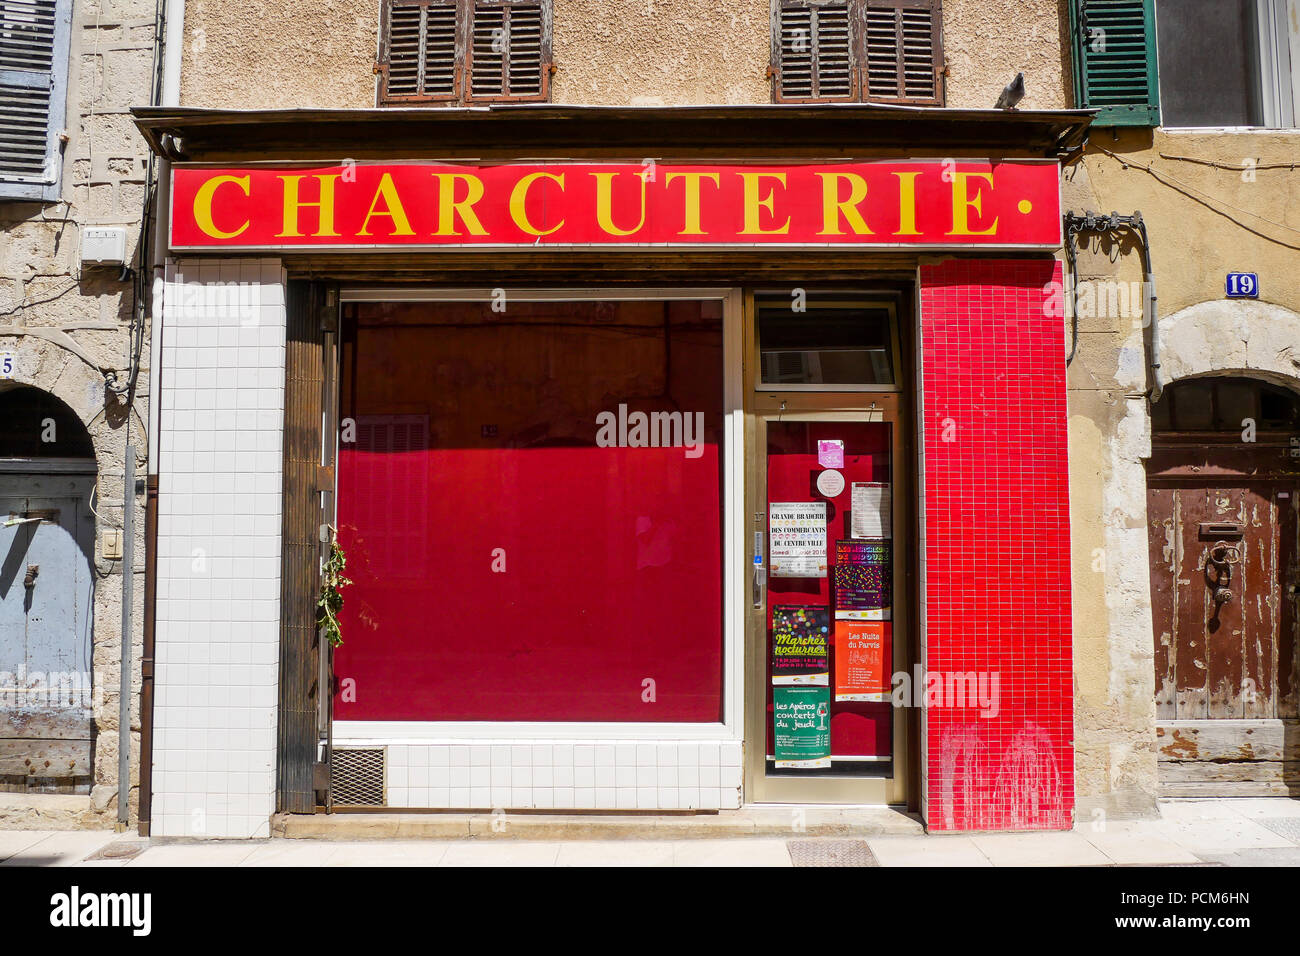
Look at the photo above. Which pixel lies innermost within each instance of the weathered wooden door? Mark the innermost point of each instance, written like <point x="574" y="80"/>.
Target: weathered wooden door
<point x="1222" y="513"/>
<point x="46" y="586"/>
<point x="1221" y="594"/>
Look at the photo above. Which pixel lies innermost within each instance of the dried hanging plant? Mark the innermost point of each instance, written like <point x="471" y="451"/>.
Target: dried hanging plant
<point x="330" y="601"/>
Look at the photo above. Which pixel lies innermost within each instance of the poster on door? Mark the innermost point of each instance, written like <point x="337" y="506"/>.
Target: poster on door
<point x="803" y="727"/>
<point x="871" y="505"/>
<point x="862" y="656"/>
<point x="863" y="580"/>
<point x="800" y="645"/>
<point x="797" y="539"/>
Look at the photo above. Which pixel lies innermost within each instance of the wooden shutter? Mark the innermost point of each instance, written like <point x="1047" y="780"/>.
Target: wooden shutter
<point x="1115" y="60"/>
<point x="903" y="52"/>
<point x="510" y="50"/>
<point x="812" y="51"/>
<point x="419" y="53"/>
<point x="33" y="90"/>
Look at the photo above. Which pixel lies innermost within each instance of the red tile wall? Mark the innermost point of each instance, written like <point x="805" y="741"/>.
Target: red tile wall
<point x="997" y="544"/>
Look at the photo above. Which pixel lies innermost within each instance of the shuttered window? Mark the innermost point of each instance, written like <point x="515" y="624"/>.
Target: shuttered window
<point x="1115" y="60"/>
<point x="462" y="51"/>
<point x="883" y="51"/>
<point x="33" y="88"/>
<point x="814" y="51"/>
<point x="903" y="51"/>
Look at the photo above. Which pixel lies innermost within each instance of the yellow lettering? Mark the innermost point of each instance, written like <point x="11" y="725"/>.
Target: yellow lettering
<point x="605" y="203"/>
<point x="963" y="202"/>
<point x="907" y="204"/>
<point x="691" y="198"/>
<point x="393" y="210"/>
<point x="292" y="205"/>
<point x="449" y="208"/>
<point x="519" y="200"/>
<point x="203" y="205"/>
<point x="833" y="207"/>
<point x="754" y="204"/>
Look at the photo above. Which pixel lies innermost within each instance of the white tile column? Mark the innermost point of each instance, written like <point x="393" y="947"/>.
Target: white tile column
<point x="219" y="527"/>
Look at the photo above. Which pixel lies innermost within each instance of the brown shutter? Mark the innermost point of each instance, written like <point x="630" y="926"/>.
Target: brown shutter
<point x="812" y="51"/>
<point x="509" y="50"/>
<point x="903" y="52"/>
<point x="418" y="52"/>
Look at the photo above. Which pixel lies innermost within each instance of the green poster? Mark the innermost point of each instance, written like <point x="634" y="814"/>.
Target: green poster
<point x="803" y="726"/>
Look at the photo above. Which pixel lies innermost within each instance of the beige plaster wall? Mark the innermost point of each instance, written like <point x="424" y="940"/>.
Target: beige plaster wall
<point x="261" y="54"/>
<point x="661" y="52"/>
<point x="987" y="44"/>
<point x="1206" y="221"/>
<point x="266" y="54"/>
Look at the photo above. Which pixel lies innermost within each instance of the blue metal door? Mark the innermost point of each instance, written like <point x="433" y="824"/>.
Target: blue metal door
<point x="47" y="535"/>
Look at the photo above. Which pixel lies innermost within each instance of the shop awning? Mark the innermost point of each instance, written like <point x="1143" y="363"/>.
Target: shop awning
<point x="549" y="131"/>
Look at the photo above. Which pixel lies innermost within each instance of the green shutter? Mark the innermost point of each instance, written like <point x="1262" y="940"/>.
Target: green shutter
<point x="1115" y="60"/>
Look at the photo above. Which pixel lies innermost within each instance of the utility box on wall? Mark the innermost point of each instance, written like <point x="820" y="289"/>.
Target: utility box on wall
<point x="103" y="245"/>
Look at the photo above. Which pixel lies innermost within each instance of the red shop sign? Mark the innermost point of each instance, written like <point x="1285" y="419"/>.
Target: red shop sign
<point x="370" y="206"/>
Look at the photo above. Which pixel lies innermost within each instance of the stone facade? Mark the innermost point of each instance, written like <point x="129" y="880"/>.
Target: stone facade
<point x="68" y="327"/>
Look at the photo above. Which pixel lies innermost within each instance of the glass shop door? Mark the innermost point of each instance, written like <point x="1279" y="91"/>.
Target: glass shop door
<point x="827" y="513"/>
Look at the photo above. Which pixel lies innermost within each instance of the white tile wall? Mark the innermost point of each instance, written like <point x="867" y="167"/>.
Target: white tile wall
<point x="521" y="774"/>
<point x="218" y="608"/>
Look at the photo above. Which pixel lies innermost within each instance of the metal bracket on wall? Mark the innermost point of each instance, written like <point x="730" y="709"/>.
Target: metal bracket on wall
<point x="329" y="313"/>
<point x="325" y="478"/>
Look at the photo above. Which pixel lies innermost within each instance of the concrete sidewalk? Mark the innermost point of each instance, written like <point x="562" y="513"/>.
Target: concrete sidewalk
<point x="1248" y="832"/>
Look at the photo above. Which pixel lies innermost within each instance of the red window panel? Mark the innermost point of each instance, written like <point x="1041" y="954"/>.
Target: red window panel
<point x="507" y="564"/>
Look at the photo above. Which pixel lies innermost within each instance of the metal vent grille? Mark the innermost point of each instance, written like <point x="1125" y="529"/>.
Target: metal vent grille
<point x="357" y="777"/>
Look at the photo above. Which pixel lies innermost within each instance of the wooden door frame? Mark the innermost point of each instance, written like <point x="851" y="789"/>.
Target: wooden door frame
<point x="885" y="404"/>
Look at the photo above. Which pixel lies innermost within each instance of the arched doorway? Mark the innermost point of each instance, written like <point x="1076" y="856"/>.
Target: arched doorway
<point x="1223" y="484"/>
<point x="47" y="535"/>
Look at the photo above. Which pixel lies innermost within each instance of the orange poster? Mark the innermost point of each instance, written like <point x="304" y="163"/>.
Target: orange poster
<point x="862" y="655"/>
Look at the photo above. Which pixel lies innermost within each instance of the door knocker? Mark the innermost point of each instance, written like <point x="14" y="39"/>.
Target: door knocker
<point x="1222" y="557"/>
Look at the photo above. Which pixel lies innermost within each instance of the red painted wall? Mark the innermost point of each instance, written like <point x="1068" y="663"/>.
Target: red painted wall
<point x="997" y="543"/>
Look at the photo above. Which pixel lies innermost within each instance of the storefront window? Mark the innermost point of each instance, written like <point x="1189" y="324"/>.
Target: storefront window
<point x="531" y="505"/>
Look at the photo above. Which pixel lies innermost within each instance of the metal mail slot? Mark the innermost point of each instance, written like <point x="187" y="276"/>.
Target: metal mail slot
<point x="1210" y="529"/>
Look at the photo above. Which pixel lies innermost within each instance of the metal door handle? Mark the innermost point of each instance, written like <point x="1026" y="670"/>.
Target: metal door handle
<point x="760" y="580"/>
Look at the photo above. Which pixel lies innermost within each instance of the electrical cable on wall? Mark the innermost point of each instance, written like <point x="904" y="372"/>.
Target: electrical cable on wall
<point x="1207" y="201"/>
